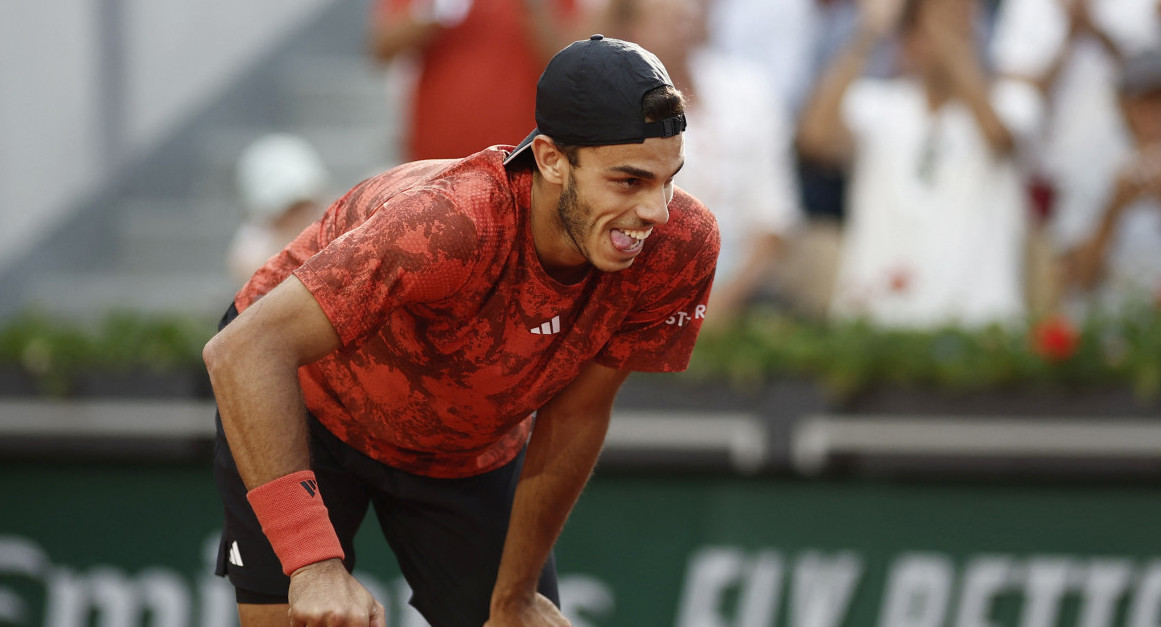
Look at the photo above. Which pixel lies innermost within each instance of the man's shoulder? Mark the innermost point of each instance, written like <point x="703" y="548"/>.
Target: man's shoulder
<point x="690" y="218"/>
<point x="475" y="186"/>
<point x="688" y="242"/>
<point x="483" y="171"/>
<point x="482" y="168"/>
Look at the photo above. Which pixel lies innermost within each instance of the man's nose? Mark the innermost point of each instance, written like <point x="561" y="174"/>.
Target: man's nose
<point x="654" y="210"/>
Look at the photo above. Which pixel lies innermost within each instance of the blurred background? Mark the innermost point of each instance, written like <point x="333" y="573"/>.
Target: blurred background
<point x="928" y="388"/>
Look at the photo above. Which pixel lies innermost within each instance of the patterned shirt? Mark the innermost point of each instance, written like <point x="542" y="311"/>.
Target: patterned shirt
<point x="452" y="332"/>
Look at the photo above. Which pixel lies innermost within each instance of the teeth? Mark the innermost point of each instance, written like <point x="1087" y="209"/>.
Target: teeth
<point x="638" y="234"/>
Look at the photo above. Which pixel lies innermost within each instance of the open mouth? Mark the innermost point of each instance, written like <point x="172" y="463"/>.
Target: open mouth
<point x="630" y="241"/>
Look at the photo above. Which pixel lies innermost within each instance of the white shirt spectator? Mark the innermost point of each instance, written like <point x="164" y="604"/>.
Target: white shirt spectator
<point x="779" y="36"/>
<point x="738" y="159"/>
<point x="936" y="222"/>
<point x="1085" y="140"/>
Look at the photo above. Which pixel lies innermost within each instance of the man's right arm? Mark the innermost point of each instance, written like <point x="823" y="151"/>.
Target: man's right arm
<point x="253" y="365"/>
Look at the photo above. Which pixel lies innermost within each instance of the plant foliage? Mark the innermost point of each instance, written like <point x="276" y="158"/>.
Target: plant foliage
<point x="54" y="350"/>
<point x="853" y="356"/>
<point x="844" y="357"/>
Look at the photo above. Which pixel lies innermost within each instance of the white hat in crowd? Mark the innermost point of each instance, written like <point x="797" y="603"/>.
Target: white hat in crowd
<point x="277" y="171"/>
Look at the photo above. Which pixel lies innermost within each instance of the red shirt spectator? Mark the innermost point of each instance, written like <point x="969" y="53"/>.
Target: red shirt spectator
<point x="478" y="65"/>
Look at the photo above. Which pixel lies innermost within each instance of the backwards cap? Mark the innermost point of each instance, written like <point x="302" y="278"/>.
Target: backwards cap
<point x="590" y="95"/>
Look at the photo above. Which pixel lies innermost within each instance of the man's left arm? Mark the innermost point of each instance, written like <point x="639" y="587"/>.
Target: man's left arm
<point x="566" y="441"/>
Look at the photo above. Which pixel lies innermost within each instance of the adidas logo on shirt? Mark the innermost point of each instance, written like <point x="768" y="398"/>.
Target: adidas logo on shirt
<point x="551" y="327"/>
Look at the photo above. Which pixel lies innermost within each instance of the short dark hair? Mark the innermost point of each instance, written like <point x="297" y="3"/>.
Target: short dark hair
<point x="658" y="103"/>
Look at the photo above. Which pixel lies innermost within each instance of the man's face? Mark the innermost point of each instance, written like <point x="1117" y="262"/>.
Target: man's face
<point x="616" y="196"/>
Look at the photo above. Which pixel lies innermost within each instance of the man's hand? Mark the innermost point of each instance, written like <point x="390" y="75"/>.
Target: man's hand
<point x="324" y="593"/>
<point x="540" y="613"/>
<point x="878" y="18"/>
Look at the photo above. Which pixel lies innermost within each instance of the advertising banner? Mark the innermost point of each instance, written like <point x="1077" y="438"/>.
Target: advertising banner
<point x="134" y="545"/>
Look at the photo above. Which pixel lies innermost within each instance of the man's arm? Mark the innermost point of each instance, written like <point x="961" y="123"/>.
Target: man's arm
<point x="253" y="365"/>
<point x="822" y="135"/>
<point x="957" y="53"/>
<point x="566" y="441"/>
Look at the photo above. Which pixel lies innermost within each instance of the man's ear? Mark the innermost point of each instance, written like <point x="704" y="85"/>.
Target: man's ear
<point x="552" y="163"/>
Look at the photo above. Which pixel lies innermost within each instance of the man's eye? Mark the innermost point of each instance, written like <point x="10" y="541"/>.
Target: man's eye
<point x="631" y="182"/>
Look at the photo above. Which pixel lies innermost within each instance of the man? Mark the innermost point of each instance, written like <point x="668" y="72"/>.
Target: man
<point x="737" y="148"/>
<point x="409" y="335"/>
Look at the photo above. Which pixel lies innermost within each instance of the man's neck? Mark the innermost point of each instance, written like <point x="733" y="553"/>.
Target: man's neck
<point x="558" y="258"/>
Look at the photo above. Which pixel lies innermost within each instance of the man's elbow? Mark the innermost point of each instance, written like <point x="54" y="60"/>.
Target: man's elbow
<point x="216" y="354"/>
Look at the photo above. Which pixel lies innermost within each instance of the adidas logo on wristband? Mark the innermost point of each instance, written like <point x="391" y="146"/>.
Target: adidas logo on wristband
<point x="298" y="527"/>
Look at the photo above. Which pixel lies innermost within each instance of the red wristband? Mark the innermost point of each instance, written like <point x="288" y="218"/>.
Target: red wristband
<point x="295" y="520"/>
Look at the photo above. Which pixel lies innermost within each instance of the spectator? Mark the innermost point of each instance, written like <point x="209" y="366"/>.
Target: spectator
<point x="778" y="36"/>
<point x="737" y="146"/>
<point x="936" y="214"/>
<point x="1072" y="49"/>
<point x="281" y="180"/>
<point x="476" y="65"/>
<point x="1120" y="261"/>
<point x="792" y="41"/>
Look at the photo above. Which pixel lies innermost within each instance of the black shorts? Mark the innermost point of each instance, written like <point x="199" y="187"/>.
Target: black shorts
<point x="447" y="534"/>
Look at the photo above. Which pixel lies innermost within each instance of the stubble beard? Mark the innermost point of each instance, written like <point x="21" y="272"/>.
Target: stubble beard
<point x="572" y="214"/>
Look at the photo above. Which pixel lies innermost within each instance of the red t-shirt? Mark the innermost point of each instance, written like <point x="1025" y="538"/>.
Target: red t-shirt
<point x="477" y="79"/>
<point x="453" y="333"/>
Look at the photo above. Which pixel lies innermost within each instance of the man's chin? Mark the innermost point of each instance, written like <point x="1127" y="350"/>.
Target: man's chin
<point x="611" y="265"/>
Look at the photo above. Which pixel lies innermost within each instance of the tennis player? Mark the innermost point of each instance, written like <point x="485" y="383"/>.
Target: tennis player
<point x="445" y="345"/>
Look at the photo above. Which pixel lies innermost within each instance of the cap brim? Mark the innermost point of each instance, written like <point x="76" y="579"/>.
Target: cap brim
<point x="522" y="147"/>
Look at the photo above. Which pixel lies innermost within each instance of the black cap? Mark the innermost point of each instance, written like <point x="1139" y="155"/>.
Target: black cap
<point x="590" y="95"/>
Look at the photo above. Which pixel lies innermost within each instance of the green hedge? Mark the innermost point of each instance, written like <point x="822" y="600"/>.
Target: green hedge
<point x="53" y="351"/>
<point x="845" y="358"/>
<point x="851" y="357"/>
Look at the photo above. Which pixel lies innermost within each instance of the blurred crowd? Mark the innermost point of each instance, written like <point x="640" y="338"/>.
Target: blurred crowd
<point x="914" y="163"/>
